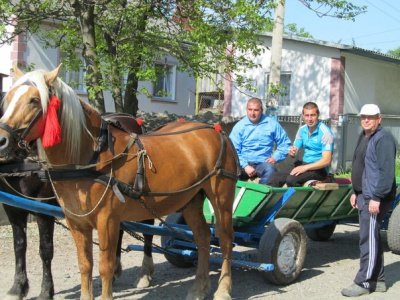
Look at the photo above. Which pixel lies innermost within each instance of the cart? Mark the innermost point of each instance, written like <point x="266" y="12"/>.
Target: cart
<point x="275" y="221"/>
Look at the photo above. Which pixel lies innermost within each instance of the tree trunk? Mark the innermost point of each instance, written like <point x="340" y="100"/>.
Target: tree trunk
<point x="276" y="49"/>
<point x="85" y="14"/>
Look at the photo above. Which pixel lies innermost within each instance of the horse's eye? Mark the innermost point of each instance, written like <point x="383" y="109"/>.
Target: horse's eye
<point x="34" y="100"/>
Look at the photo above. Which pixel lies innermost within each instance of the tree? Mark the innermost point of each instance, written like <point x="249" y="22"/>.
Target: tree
<point x="394" y="52"/>
<point x="121" y="40"/>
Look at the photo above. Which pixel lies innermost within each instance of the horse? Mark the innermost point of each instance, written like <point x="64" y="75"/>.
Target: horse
<point x="34" y="188"/>
<point x="133" y="178"/>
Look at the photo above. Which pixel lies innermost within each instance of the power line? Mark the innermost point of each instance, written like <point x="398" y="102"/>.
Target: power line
<point x="384" y="12"/>
<point x="395" y="8"/>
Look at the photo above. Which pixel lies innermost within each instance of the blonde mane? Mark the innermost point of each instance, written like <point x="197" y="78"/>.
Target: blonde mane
<point x="72" y="118"/>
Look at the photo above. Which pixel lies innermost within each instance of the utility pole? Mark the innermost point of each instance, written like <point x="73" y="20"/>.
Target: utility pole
<point x="276" y="53"/>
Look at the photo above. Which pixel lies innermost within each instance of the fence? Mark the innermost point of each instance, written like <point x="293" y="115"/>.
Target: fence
<point x="211" y="101"/>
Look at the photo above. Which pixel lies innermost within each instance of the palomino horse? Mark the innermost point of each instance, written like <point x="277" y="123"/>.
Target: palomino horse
<point x="133" y="178"/>
<point x="33" y="188"/>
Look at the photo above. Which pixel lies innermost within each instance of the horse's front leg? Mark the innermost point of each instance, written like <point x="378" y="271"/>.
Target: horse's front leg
<point x="18" y="220"/>
<point x="108" y="233"/>
<point x="83" y="237"/>
<point x="226" y="236"/>
<point x="194" y="218"/>
<point x="46" y="232"/>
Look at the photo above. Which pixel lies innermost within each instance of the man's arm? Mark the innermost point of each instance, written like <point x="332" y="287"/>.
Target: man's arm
<point x="322" y="163"/>
<point x="283" y="144"/>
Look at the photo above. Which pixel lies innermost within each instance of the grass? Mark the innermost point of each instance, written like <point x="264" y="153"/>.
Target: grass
<point x="347" y="174"/>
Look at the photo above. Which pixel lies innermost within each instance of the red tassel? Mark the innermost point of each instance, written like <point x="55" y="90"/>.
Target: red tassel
<point x="52" y="129"/>
<point x="217" y="127"/>
<point x="182" y="120"/>
<point x="139" y="121"/>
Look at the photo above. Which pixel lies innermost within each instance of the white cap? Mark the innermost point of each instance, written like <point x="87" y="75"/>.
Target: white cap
<point x="370" y="110"/>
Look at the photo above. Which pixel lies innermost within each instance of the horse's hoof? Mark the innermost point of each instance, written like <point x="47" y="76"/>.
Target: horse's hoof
<point x="222" y="296"/>
<point x="142" y="282"/>
<point x="13" y="297"/>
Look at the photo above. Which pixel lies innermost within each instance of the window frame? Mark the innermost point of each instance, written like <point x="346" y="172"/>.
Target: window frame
<point x="282" y="100"/>
<point x="170" y="75"/>
<point x="74" y="76"/>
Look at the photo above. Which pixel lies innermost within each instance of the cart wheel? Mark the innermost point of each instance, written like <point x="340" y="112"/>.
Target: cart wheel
<point x="393" y="232"/>
<point x="177" y="260"/>
<point x="283" y="244"/>
<point x="321" y="234"/>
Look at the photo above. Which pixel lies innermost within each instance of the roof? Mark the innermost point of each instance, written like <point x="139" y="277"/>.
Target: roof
<point x="343" y="48"/>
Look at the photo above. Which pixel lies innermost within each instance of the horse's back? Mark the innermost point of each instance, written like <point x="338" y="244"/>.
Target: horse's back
<point x="188" y="150"/>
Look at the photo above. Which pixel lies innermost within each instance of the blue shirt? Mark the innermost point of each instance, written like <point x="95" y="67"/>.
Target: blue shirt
<point x="320" y="140"/>
<point x="255" y="142"/>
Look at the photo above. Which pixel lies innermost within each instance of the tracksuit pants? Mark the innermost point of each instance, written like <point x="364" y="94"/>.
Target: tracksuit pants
<point x="371" y="251"/>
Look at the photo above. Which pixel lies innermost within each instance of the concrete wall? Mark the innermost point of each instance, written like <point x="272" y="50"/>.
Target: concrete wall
<point x="310" y="69"/>
<point x="369" y="80"/>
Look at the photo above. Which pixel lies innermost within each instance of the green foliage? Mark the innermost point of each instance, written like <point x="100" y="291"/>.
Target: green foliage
<point x="121" y="40"/>
<point x="277" y="89"/>
<point x="394" y="52"/>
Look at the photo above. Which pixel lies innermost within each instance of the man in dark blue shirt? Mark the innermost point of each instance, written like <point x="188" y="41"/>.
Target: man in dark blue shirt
<point x="374" y="185"/>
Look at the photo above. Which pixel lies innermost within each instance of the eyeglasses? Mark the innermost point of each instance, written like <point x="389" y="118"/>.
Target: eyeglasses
<point x="367" y="117"/>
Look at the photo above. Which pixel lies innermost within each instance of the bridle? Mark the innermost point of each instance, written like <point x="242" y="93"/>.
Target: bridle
<point x="19" y="135"/>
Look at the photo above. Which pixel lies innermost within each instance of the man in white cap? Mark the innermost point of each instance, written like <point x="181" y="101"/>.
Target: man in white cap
<point x="374" y="189"/>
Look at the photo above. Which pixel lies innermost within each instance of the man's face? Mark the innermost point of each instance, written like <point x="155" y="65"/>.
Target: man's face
<point x="370" y="123"/>
<point x="310" y="117"/>
<point x="254" y="112"/>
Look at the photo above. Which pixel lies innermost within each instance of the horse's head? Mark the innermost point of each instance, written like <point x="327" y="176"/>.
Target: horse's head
<point x="24" y="108"/>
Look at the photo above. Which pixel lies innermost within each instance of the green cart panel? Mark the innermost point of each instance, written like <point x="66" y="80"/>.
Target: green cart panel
<point x="254" y="201"/>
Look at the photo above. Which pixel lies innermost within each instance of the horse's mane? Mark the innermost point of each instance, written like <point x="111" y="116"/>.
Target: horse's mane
<point x="72" y="118"/>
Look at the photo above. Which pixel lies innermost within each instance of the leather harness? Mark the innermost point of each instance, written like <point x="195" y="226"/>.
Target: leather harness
<point x="125" y="123"/>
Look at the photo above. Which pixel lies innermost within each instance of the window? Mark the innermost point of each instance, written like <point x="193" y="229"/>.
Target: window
<point x="164" y="86"/>
<point x="283" y="100"/>
<point x="74" y="78"/>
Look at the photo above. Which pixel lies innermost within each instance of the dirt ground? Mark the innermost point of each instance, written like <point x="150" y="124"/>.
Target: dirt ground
<point x="329" y="267"/>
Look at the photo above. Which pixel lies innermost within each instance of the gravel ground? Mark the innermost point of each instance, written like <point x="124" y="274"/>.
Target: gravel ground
<point x="329" y="267"/>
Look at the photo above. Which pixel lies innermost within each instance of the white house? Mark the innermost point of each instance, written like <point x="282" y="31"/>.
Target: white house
<point x="31" y="53"/>
<point x="339" y="78"/>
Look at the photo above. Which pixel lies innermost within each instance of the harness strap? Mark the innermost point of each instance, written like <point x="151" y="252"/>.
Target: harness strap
<point x="101" y="142"/>
<point x="19" y="167"/>
<point x="140" y="171"/>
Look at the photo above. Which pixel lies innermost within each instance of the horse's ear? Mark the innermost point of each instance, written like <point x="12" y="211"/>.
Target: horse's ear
<point x="51" y="76"/>
<point x="18" y="73"/>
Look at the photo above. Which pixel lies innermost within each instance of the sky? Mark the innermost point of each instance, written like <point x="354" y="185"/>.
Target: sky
<point x="378" y="29"/>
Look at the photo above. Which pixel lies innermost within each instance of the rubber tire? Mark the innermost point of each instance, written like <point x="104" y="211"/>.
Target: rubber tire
<point x="176" y="260"/>
<point x="283" y="234"/>
<point x="321" y="234"/>
<point x="393" y="232"/>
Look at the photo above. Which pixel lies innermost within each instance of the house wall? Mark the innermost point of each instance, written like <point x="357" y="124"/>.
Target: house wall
<point x="310" y="68"/>
<point x="371" y="81"/>
<point x="32" y="54"/>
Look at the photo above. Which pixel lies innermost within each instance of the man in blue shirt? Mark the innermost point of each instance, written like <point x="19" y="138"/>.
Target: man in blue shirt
<point x="317" y="140"/>
<point x="254" y="138"/>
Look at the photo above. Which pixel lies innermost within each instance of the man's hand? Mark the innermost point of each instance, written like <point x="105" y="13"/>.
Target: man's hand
<point x="353" y="201"/>
<point x="374" y="207"/>
<point x="271" y="160"/>
<point x="293" y="151"/>
<point x="250" y="171"/>
<point x="299" y="170"/>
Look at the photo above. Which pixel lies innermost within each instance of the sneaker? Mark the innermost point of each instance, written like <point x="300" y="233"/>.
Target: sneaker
<point x="354" y="291"/>
<point x="379" y="286"/>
